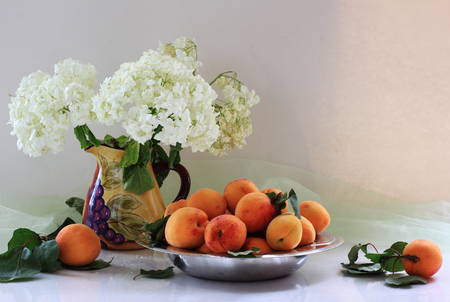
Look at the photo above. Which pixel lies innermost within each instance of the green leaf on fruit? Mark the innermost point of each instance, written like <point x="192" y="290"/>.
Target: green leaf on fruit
<point x="95" y="265"/>
<point x="405" y="280"/>
<point x="244" y="254"/>
<point x="76" y="203"/>
<point x="157" y="274"/>
<point x="293" y="202"/>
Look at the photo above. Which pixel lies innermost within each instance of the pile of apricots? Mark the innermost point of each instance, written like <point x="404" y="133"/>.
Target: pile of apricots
<point x="241" y="218"/>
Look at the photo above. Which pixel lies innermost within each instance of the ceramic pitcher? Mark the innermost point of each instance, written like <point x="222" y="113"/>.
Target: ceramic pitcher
<point x="117" y="215"/>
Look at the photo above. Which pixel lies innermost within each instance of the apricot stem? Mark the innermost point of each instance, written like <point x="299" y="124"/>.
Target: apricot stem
<point x="412" y="258"/>
<point x="372" y="245"/>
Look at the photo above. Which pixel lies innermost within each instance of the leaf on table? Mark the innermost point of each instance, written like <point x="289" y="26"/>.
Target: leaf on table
<point x="354" y="251"/>
<point x="363" y="268"/>
<point x="96" y="264"/>
<point x="47" y="254"/>
<point x="18" y="263"/>
<point x="22" y="236"/>
<point x="405" y="280"/>
<point x="157" y="274"/>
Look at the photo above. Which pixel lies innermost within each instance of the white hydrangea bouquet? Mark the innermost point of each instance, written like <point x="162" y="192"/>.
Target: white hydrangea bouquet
<point x="160" y="100"/>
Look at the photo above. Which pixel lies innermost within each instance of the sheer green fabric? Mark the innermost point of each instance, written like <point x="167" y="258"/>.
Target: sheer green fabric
<point x="357" y="215"/>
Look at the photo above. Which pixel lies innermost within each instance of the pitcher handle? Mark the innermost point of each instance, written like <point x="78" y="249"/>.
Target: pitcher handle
<point x="185" y="179"/>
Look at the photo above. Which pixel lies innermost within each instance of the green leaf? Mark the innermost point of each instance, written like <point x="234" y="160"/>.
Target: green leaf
<point x="405" y="280"/>
<point x="81" y="132"/>
<point x="24" y="237"/>
<point x="244" y="254"/>
<point x="91" y="136"/>
<point x="354" y="251"/>
<point x="65" y="223"/>
<point x="377" y="257"/>
<point x="157" y="274"/>
<point x="144" y="154"/>
<point x="293" y="202"/>
<point x="394" y="263"/>
<point x="76" y="203"/>
<point x="155" y="228"/>
<point x="138" y="180"/>
<point x="115" y="142"/>
<point x="159" y="154"/>
<point x="363" y="268"/>
<point x="131" y="155"/>
<point x="18" y="263"/>
<point x="81" y="136"/>
<point x="279" y="200"/>
<point x="96" y="264"/>
<point x="174" y="155"/>
<point x="47" y="254"/>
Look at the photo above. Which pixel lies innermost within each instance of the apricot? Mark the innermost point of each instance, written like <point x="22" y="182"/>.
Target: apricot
<point x="276" y="191"/>
<point x="237" y="189"/>
<point x="78" y="245"/>
<point x="204" y="249"/>
<point x="256" y="211"/>
<point x="284" y="232"/>
<point x="257" y="242"/>
<point x="422" y="257"/>
<point x="185" y="228"/>
<point x="171" y="208"/>
<point x="316" y="214"/>
<point x="308" y="232"/>
<point x="225" y="233"/>
<point x="209" y="201"/>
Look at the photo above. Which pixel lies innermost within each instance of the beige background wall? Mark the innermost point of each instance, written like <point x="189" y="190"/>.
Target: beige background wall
<point x="353" y="90"/>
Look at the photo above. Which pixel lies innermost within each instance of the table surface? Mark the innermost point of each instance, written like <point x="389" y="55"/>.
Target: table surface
<point x="321" y="278"/>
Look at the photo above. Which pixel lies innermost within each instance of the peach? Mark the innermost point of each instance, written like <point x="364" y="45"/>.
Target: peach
<point x="276" y="191"/>
<point x="316" y="214"/>
<point x="256" y="211"/>
<point x="209" y="201"/>
<point x="257" y="242"/>
<point x="185" y="228"/>
<point x="235" y="190"/>
<point x="284" y="232"/>
<point x="78" y="245"/>
<point x="171" y="208"/>
<point x="225" y="233"/>
<point x="308" y="232"/>
<point x="422" y="258"/>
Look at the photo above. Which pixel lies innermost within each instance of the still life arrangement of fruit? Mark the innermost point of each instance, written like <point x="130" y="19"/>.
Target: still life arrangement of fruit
<point x="243" y="221"/>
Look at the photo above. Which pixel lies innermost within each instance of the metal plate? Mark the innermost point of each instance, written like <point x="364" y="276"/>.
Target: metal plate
<point x="264" y="267"/>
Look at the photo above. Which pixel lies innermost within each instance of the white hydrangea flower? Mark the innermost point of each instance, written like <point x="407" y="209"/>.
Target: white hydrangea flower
<point x="182" y="49"/>
<point x="159" y="90"/>
<point x="44" y="106"/>
<point x="233" y="119"/>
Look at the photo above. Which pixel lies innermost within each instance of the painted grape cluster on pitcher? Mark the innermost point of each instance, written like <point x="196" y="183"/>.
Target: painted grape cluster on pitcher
<point x="113" y="219"/>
